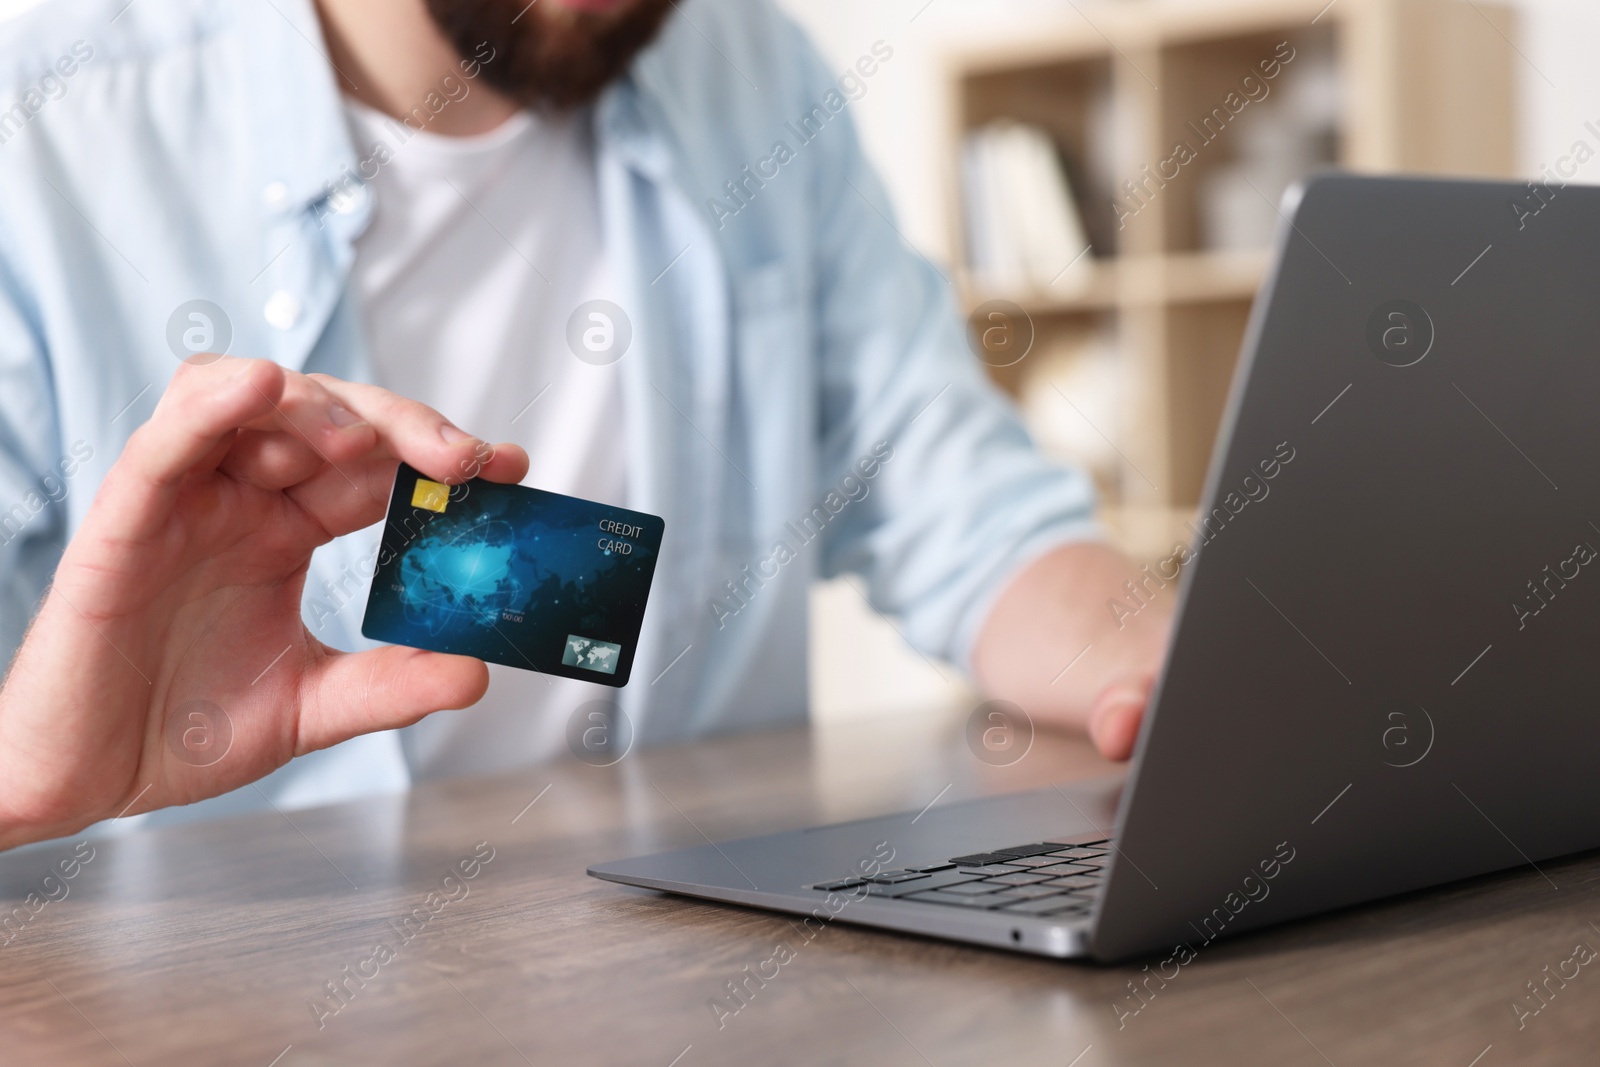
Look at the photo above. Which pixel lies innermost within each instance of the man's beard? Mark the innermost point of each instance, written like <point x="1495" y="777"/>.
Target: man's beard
<point x="550" y="57"/>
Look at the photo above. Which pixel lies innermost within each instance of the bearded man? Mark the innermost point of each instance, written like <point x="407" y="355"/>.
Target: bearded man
<point x="253" y="253"/>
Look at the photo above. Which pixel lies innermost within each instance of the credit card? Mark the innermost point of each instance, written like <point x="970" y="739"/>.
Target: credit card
<point x="513" y="575"/>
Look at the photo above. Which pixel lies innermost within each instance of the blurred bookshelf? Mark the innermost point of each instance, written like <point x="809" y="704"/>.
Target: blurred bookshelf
<point x="1135" y="341"/>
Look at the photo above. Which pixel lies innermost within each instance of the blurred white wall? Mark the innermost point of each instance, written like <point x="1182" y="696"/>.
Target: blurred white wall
<point x="1560" y="81"/>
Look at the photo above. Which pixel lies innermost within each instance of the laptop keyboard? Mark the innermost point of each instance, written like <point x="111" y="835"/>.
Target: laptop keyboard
<point x="1058" y="879"/>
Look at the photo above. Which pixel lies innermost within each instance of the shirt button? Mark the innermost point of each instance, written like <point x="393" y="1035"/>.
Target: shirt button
<point x="282" y="310"/>
<point x="346" y="199"/>
<point x="276" y="194"/>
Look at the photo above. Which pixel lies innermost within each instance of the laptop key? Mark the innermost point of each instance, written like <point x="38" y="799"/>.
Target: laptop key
<point x="1031" y="892"/>
<point x="1069" y="867"/>
<point x="832" y="887"/>
<point x="1079" y="840"/>
<point x="933" y="867"/>
<point x="991" y="868"/>
<point x="894" y="887"/>
<point x="972" y="888"/>
<point x="1075" y="881"/>
<point x="977" y="859"/>
<point x="1097" y="873"/>
<point x="1026" y="850"/>
<point x="1033" y="861"/>
<point x="953" y="899"/>
<point x="942" y="880"/>
<point x="1081" y="896"/>
<point x="1019" y="878"/>
<point x="890" y="892"/>
<point x="988" y="901"/>
<point x="891" y="877"/>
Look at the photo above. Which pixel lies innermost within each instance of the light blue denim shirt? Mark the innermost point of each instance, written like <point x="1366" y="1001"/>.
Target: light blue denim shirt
<point x="786" y="342"/>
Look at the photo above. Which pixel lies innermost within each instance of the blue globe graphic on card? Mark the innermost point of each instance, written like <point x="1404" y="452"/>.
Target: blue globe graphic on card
<point x="462" y="573"/>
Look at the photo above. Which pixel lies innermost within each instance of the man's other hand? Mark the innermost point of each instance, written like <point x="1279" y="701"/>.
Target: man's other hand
<point x="1057" y="645"/>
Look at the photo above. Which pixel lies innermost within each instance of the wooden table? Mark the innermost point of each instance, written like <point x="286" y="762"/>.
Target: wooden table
<point x="209" y="944"/>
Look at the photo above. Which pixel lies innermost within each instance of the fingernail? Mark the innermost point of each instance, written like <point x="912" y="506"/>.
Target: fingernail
<point x="452" y="435"/>
<point x="1109" y="707"/>
<point x="1097" y="722"/>
<point x="342" y="416"/>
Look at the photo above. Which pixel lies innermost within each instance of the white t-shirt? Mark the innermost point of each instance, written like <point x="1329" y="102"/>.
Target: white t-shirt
<point x="479" y="251"/>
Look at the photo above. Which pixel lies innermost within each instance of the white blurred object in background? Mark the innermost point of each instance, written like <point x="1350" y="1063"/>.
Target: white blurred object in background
<point x="1072" y="399"/>
<point x="1276" y="143"/>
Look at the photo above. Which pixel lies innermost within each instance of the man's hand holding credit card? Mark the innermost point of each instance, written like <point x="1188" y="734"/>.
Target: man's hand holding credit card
<point x="170" y="659"/>
<point x="513" y="575"/>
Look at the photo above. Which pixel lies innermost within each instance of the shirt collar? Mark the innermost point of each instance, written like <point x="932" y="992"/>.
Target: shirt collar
<point x="624" y="126"/>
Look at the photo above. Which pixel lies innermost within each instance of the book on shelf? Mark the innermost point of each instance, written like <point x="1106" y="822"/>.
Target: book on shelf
<point x="1023" y="229"/>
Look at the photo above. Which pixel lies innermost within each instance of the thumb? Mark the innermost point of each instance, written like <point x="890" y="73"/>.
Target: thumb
<point x="1116" y="715"/>
<point x="351" y="693"/>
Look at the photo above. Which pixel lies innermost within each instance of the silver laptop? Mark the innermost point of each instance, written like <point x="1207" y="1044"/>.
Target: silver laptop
<point x="1382" y="671"/>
